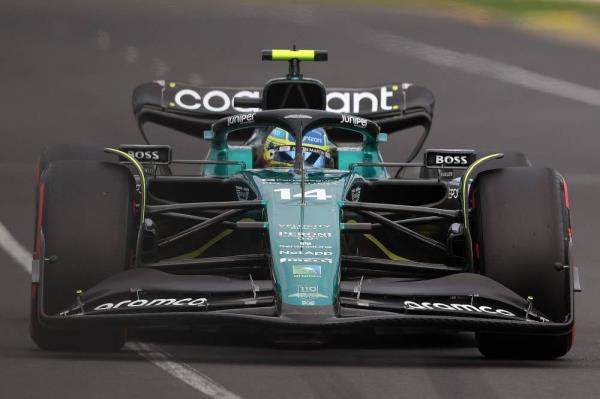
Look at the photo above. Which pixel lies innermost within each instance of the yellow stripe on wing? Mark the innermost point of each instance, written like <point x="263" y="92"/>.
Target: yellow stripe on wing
<point x="197" y="252"/>
<point x="387" y="252"/>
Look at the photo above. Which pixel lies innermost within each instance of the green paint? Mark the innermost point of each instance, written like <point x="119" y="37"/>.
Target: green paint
<point x="304" y="240"/>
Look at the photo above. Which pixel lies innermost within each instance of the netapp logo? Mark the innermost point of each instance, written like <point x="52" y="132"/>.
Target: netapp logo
<point x="145" y="155"/>
<point x="354" y="120"/>
<point x="143" y="303"/>
<point x="455" y="307"/>
<point x="311" y="253"/>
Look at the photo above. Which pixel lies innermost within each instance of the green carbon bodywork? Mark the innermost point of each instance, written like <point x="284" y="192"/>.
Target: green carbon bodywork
<point x="304" y="239"/>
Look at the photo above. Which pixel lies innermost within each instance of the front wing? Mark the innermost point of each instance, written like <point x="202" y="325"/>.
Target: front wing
<point x="462" y="301"/>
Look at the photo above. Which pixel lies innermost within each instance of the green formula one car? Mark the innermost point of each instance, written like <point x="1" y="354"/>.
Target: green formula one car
<point x="294" y="224"/>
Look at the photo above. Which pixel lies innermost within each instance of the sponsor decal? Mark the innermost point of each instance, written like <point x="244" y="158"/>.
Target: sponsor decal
<point x="461" y="307"/>
<point x="360" y="101"/>
<point x="446" y="174"/>
<point x="297" y="116"/>
<point x="312" y="253"/>
<point x="306" y="270"/>
<point x="354" y="120"/>
<point x="308" y="260"/>
<point x="145" y="155"/>
<point x="304" y="235"/>
<point x="308" y="293"/>
<point x="320" y="182"/>
<point x="304" y="226"/>
<point x="301" y="245"/>
<point x="148" y="303"/>
<point x="215" y="100"/>
<point x="449" y="158"/>
<point x="240" y="119"/>
<point x="148" y="153"/>
<point x="314" y="138"/>
<point x="453" y="193"/>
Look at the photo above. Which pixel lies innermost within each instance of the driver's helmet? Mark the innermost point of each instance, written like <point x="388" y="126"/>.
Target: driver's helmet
<point x="280" y="149"/>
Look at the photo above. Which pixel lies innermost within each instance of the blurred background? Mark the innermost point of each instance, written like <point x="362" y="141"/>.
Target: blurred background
<point x="507" y="75"/>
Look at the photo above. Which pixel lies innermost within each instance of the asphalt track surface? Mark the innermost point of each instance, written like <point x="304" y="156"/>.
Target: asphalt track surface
<point x="67" y="71"/>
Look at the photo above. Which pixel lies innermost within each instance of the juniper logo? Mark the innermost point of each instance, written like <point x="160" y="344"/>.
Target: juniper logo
<point x="241" y="118"/>
<point x="354" y="120"/>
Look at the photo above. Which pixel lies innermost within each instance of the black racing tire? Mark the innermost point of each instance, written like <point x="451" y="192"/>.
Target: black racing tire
<point x="509" y="160"/>
<point x="67" y="152"/>
<point x="74" y="152"/>
<point x="522" y="232"/>
<point x="88" y="225"/>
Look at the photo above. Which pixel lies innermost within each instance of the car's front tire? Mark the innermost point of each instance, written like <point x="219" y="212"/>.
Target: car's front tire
<point x="523" y="235"/>
<point x="87" y="225"/>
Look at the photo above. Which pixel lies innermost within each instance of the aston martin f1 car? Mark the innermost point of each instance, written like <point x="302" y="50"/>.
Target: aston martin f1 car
<point x="294" y="224"/>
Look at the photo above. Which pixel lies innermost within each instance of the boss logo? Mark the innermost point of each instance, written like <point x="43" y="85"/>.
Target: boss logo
<point x="153" y="154"/>
<point x="449" y="158"/>
<point x="145" y="155"/>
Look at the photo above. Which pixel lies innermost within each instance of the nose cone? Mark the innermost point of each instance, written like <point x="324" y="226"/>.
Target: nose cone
<point x="305" y="240"/>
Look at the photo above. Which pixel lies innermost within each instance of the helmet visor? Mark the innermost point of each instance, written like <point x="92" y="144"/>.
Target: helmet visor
<point x="312" y="157"/>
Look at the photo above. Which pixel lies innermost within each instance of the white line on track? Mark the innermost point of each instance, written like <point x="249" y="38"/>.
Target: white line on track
<point x="182" y="371"/>
<point x="477" y="65"/>
<point x="148" y="351"/>
<point x="15" y="249"/>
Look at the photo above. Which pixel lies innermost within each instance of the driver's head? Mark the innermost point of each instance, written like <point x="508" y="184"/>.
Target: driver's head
<point x="280" y="149"/>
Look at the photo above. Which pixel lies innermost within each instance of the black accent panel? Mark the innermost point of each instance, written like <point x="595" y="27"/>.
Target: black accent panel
<point x="284" y="93"/>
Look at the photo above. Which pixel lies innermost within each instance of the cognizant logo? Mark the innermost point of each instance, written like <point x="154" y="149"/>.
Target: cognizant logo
<point x="216" y="100"/>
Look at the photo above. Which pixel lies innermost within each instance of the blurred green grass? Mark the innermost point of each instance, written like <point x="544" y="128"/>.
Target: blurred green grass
<point x="521" y="7"/>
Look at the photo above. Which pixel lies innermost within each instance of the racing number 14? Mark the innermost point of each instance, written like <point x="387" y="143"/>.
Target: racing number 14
<point x="318" y="193"/>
